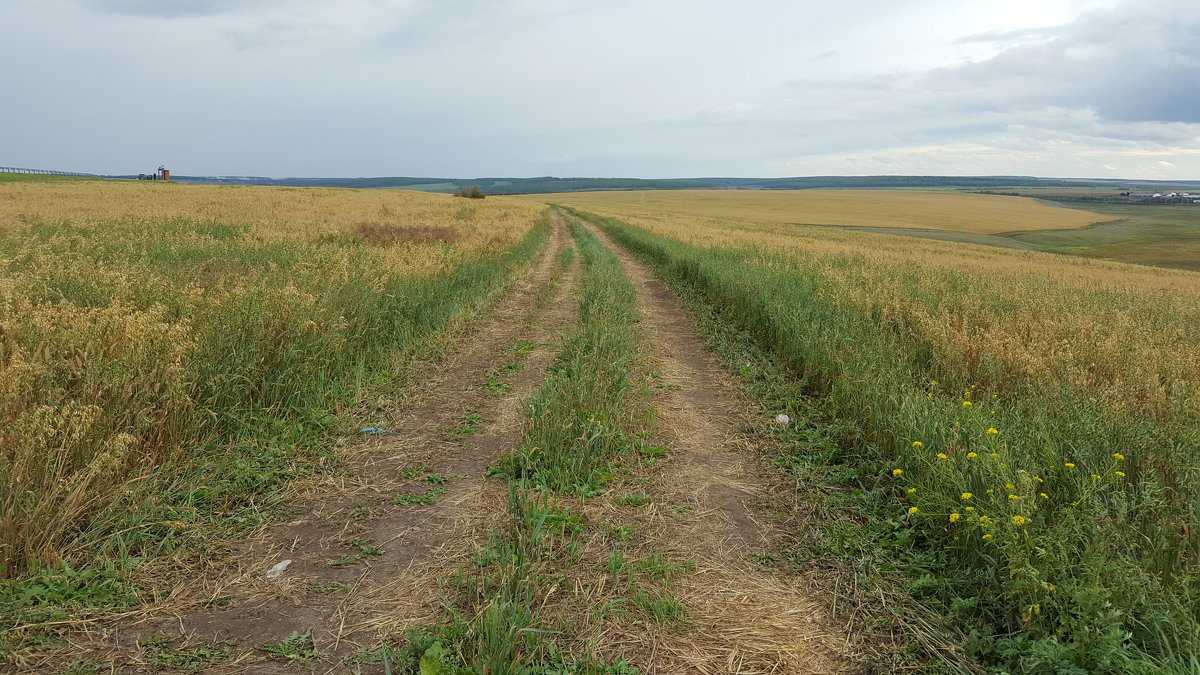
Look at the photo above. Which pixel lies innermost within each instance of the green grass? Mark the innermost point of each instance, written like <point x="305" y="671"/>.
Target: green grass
<point x="579" y="417"/>
<point x="1098" y="576"/>
<point x="427" y="497"/>
<point x="41" y="178"/>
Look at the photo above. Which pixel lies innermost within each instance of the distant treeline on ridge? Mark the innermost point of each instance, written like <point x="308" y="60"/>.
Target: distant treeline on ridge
<point x="545" y="184"/>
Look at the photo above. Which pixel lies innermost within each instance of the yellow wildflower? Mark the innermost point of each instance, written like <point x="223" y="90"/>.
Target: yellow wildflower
<point x="990" y="491"/>
<point x="966" y="404"/>
<point x="912" y="510"/>
<point x="1038" y="479"/>
<point x="971" y="455"/>
<point x="1069" y="465"/>
<point x="954" y="517"/>
<point x="897" y="472"/>
<point x="992" y="431"/>
<point x="995" y="455"/>
<point x="1003" y="465"/>
<point x="967" y="495"/>
<point x="985" y="521"/>
<point x="1095" y="476"/>
<point x="942" y="455"/>
<point x="1043" y="495"/>
<point x="1120" y="473"/>
<point x="1014" y="497"/>
<point x="918" y="444"/>
<point x="933" y="382"/>
<point x="968" y="508"/>
<point x="1010" y="486"/>
<point x="1018" y="520"/>
<point x="912" y="490"/>
<point x="1118" y="456"/>
<point x="986" y="537"/>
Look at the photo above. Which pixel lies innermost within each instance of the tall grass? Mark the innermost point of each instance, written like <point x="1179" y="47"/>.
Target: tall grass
<point x="154" y="376"/>
<point x="1045" y="492"/>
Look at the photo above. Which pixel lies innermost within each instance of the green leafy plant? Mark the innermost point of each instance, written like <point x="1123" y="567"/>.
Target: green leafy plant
<point x="297" y="646"/>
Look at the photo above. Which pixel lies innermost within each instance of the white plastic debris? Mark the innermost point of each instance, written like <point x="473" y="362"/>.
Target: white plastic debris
<point x="783" y="419"/>
<point x="278" y="569"/>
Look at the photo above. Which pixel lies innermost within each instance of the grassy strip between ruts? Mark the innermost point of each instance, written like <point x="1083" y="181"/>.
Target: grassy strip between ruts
<point x="1022" y="528"/>
<point x="579" y="425"/>
<point x="229" y="362"/>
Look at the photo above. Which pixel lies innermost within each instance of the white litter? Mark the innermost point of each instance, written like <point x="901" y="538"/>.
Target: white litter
<point x="278" y="569"/>
<point x="783" y="419"/>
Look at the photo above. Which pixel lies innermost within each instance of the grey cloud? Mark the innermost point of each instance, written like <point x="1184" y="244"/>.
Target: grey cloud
<point x="164" y="8"/>
<point x="1136" y="63"/>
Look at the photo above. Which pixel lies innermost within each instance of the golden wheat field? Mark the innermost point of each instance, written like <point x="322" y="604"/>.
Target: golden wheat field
<point x="957" y="212"/>
<point x="1126" y="332"/>
<point x="413" y="227"/>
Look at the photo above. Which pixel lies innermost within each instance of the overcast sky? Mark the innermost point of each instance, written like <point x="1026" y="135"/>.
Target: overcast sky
<point x="646" y="88"/>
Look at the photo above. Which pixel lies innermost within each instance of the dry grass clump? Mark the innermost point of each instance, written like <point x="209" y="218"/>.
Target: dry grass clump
<point x="976" y="213"/>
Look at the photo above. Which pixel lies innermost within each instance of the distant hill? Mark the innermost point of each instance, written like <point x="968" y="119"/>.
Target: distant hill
<point x="549" y="184"/>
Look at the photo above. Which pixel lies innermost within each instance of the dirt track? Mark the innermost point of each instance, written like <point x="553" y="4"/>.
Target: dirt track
<point x="746" y="617"/>
<point x="743" y="617"/>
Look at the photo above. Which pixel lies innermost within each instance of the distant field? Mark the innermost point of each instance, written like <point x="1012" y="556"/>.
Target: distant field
<point x="41" y="178"/>
<point x="972" y="213"/>
<point x="1161" y="235"/>
<point x="416" y="227"/>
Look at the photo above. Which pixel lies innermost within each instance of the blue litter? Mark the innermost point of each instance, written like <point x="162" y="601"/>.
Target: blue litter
<point x="376" y="430"/>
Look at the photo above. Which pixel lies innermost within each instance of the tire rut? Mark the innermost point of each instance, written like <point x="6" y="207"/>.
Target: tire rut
<point x="419" y="543"/>
<point x="744" y="617"/>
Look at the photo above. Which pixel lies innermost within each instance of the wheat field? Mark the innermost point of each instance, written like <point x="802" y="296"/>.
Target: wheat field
<point x="958" y="212"/>
<point x="200" y="337"/>
<point x="415" y="226"/>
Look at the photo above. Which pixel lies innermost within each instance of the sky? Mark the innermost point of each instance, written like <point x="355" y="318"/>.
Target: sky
<point x="637" y="88"/>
